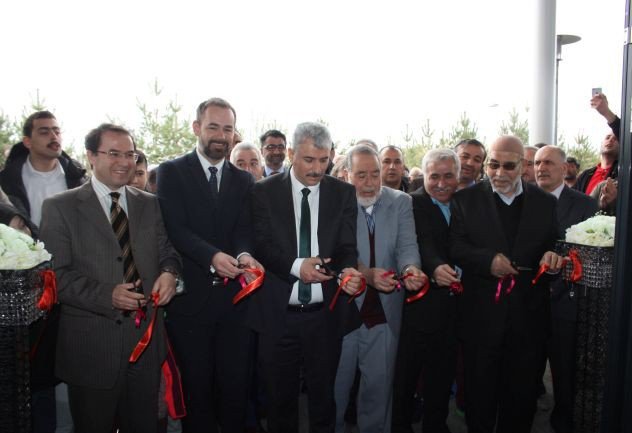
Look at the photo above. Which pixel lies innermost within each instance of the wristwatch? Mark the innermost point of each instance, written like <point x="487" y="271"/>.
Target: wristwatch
<point x="179" y="282"/>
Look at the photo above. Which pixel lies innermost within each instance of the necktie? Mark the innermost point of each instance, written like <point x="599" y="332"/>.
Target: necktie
<point x="305" y="246"/>
<point x="121" y="230"/>
<point x="213" y="182"/>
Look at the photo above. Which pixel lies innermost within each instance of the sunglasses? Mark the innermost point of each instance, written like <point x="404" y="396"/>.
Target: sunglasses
<point x="507" y="166"/>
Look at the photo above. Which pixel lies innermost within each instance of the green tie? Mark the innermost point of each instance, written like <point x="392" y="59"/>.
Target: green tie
<point x="305" y="246"/>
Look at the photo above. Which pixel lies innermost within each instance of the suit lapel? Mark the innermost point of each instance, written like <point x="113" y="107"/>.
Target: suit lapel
<point x="492" y="221"/>
<point x="135" y="207"/>
<point x="225" y="184"/>
<point x="90" y="208"/>
<point x="285" y="204"/>
<point x="198" y="174"/>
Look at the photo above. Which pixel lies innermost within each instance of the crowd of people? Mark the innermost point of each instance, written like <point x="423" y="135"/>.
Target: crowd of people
<point x="382" y="286"/>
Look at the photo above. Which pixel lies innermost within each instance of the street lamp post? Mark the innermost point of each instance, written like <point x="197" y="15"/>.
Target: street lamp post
<point x="561" y="40"/>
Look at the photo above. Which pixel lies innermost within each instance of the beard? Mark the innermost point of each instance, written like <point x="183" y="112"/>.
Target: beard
<point x="214" y="152"/>
<point x="275" y="160"/>
<point x="366" y="202"/>
<point x="508" y="187"/>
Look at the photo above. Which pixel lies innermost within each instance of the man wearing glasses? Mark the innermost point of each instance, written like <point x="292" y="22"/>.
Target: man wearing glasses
<point x="502" y="230"/>
<point x="111" y="255"/>
<point x="273" y="144"/>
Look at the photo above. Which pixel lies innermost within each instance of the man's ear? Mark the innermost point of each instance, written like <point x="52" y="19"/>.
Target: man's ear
<point x="27" y="142"/>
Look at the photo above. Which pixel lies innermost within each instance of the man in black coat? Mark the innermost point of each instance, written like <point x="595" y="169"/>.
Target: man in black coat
<point x="502" y="230"/>
<point x="205" y="201"/>
<point x="305" y="224"/>
<point x="573" y="207"/>
<point x="428" y="335"/>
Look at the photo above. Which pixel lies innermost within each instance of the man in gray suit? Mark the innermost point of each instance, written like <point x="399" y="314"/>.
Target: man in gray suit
<point x="386" y="242"/>
<point x="572" y="207"/>
<point x="111" y="253"/>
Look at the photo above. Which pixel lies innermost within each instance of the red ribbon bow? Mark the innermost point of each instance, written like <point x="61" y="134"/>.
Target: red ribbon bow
<point x="501" y="282"/>
<point x="49" y="292"/>
<point x="146" y="338"/>
<point x="344" y="281"/>
<point x="248" y="289"/>
<point x="456" y="287"/>
<point x="573" y="257"/>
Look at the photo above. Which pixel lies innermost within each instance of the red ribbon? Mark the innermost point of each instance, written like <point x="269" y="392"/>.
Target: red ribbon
<point x="248" y="289"/>
<point x="543" y="268"/>
<point x="420" y="294"/>
<point x="49" y="292"/>
<point x="399" y="280"/>
<point x="344" y="281"/>
<point x="499" y="287"/>
<point x="144" y="341"/>
<point x="577" y="273"/>
<point x="456" y="287"/>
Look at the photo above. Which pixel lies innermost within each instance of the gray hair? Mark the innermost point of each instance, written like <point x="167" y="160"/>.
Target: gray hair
<point x="362" y="149"/>
<point x="435" y="155"/>
<point x="245" y="146"/>
<point x="313" y="130"/>
<point x="367" y="142"/>
<point x="558" y="149"/>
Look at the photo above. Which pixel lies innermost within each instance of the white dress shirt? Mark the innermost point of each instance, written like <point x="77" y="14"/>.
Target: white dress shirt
<point x="506" y="199"/>
<point x="312" y="199"/>
<point x="558" y="191"/>
<point x="206" y="164"/>
<point x="105" y="199"/>
<point x="40" y="185"/>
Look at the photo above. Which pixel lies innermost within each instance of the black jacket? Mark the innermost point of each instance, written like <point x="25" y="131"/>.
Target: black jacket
<point x="11" y="176"/>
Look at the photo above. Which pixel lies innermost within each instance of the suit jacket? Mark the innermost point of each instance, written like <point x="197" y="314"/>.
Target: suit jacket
<point x="276" y="249"/>
<point x="437" y="309"/>
<point x="476" y="236"/>
<point x="573" y="207"/>
<point x="395" y="247"/>
<point x="94" y="337"/>
<point x="200" y="227"/>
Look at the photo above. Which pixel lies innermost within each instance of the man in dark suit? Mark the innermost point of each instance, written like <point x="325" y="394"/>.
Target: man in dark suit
<point x="428" y="336"/>
<point x="573" y="207"/>
<point x="205" y="202"/>
<point x="273" y="147"/>
<point x="111" y="252"/>
<point x="305" y="233"/>
<point x="502" y="230"/>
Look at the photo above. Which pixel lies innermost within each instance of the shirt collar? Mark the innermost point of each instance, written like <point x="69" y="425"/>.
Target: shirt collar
<point x="103" y="190"/>
<point x="506" y="199"/>
<point x="33" y="172"/>
<point x="269" y="170"/>
<point x="557" y="191"/>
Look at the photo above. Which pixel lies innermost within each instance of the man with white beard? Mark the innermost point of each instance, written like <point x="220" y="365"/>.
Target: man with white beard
<point x="387" y="250"/>
<point x="502" y="231"/>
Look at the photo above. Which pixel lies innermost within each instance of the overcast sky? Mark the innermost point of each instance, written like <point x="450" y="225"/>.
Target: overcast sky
<point x="368" y="68"/>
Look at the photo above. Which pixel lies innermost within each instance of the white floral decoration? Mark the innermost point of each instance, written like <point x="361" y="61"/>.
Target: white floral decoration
<point x="20" y="251"/>
<point x="597" y="231"/>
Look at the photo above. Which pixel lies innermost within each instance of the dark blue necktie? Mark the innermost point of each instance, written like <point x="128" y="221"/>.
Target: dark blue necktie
<point x="305" y="246"/>
<point x="213" y="182"/>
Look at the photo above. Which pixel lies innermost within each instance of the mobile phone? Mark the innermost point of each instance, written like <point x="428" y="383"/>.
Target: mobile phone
<point x="596" y="91"/>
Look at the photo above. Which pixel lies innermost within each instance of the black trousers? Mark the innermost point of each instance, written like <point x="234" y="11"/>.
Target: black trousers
<point x="131" y="405"/>
<point x="303" y="344"/>
<point x="562" y="358"/>
<point x="501" y="382"/>
<point x="433" y="355"/>
<point x="215" y="365"/>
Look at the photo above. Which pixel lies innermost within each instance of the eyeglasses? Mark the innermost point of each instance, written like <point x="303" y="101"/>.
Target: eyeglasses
<point x="273" y="147"/>
<point x="507" y="166"/>
<point x="115" y="154"/>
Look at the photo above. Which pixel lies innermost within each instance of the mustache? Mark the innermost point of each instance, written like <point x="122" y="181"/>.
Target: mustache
<point x="442" y="189"/>
<point x="216" y="141"/>
<point x="54" y="142"/>
<point x="315" y="174"/>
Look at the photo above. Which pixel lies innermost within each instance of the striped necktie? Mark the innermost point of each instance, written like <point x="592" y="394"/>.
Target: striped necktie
<point x="120" y="225"/>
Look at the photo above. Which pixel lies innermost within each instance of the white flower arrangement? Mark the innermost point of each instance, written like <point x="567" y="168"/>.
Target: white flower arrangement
<point x="19" y="251"/>
<point x="597" y="231"/>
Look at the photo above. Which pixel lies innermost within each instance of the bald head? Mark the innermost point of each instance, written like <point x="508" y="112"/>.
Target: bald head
<point x="508" y="143"/>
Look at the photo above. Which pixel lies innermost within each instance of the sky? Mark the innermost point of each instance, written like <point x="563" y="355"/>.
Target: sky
<point x="368" y="68"/>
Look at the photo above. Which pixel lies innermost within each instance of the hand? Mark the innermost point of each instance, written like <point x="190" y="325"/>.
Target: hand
<point x="124" y="298"/>
<point x="444" y="275"/>
<point x="310" y="274"/>
<point x="354" y="283"/>
<point x="600" y="103"/>
<point x="247" y="261"/>
<point x="376" y="278"/>
<point x="608" y="193"/>
<point x="416" y="281"/>
<point x="553" y="260"/>
<point x="501" y="266"/>
<point x="225" y="265"/>
<point x="165" y="285"/>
